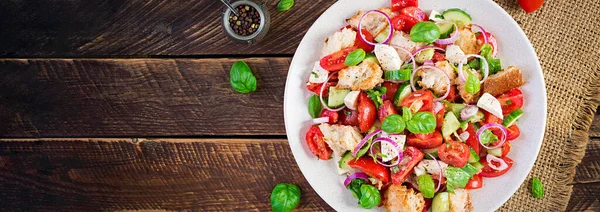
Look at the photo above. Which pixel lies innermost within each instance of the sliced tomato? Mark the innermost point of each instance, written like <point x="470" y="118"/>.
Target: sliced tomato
<point x="454" y="153"/>
<point x="472" y="140"/>
<point x="453" y="94"/>
<point x="511" y="100"/>
<point x="505" y="148"/>
<point x="443" y="46"/>
<point x="335" y="61"/>
<point x="333" y="116"/>
<point x="487" y="171"/>
<point x="316" y="144"/>
<point x="386" y="109"/>
<point x="412" y="156"/>
<point x="397" y="5"/>
<point x="390" y="90"/>
<point x="438" y="57"/>
<point x="512" y="132"/>
<point x="488" y="118"/>
<point x="349" y="117"/>
<point x="475" y="182"/>
<point x="360" y="43"/>
<point x="371" y="168"/>
<point x="404" y="22"/>
<point x="425" y="96"/>
<point x="316" y="88"/>
<point x="367" y="112"/>
<point x="414" y="12"/>
<point x="530" y="5"/>
<point x="439" y="118"/>
<point x="491" y="40"/>
<point x="425" y="141"/>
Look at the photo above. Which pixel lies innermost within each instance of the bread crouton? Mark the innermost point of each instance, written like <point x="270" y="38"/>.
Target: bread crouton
<point x="400" y="199"/>
<point x="503" y="81"/>
<point x="340" y="138"/>
<point x="401" y="39"/>
<point x="365" y="76"/>
<point x="460" y="201"/>
<point x="466" y="96"/>
<point x="338" y="41"/>
<point x="374" y="23"/>
<point x="467" y="41"/>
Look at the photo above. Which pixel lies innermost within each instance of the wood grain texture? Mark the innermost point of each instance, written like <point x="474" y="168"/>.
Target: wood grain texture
<point x="589" y="168"/>
<point x="175" y="174"/>
<point x="138" y="98"/>
<point x="585" y="197"/>
<point x="129" y="27"/>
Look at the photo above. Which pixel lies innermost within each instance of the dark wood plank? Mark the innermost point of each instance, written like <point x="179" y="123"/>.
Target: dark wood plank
<point x="585" y="197"/>
<point x="595" y="128"/>
<point x="589" y="168"/>
<point x="130" y="27"/>
<point x="138" y="97"/>
<point x="175" y="174"/>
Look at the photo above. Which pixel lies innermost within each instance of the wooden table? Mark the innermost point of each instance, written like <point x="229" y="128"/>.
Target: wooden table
<point x="123" y="104"/>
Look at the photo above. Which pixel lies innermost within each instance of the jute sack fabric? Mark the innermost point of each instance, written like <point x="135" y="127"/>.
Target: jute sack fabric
<point x="566" y="37"/>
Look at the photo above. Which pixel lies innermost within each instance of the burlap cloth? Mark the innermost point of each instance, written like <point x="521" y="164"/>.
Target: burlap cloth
<point x="566" y="37"/>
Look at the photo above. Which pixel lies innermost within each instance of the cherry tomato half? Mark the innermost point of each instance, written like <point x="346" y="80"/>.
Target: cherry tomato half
<point x="472" y="140"/>
<point x="386" y="109"/>
<point x="316" y="88"/>
<point x="335" y="61"/>
<point x="362" y="44"/>
<point x="316" y="144"/>
<point x="403" y="22"/>
<point x="414" y="12"/>
<point x="333" y="116"/>
<point x="505" y="148"/>
<point x="511" y="100"/>
<point x="425" y="96"/>
<point x="349" y="117"/>
<point x="454" y="153"/>
<point x="425" y="141"/>
<point x="488" y="118"/>
<point x="487" y="171"/>
<point x="412" y="156"/>
<point x="512" y="132"/>
<point x="475" y="182"/>
<point x="367" y="112"/>
<point x="397" y="5"/>
<point x="390" y="90"/>
<point x="491" y="40"/>
<point x="530" y="5"/>
<point x="371" y="168"/>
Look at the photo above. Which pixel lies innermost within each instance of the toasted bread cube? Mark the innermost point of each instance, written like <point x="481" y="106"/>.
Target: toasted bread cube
<point x="503" y="81"/>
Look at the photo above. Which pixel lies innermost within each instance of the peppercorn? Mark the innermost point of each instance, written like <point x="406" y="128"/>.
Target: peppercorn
<point x="247" y="22"/>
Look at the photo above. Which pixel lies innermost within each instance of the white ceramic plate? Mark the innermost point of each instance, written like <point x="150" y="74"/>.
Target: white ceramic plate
<point x="515" y="49"/>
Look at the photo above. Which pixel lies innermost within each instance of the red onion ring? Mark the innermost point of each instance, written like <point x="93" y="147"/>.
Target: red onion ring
<point x="412" y="81"/>
<point x="359" y="175"/>
<point x="452" y="37"/>
<point x="464" y="136"/>
<point x="468" y="112"/>
<point x="428" y="63"/>
<point x="321" y="96"/>
<point x="464" y="60"/>
<point x="492" y="125"/>
<point x="362" y="37"/>
<point x="491" y="158"/>
<point x="390" y="141"/>
<point x="437" y="106"/>
<point x="364" y="140"/>
<point x="321" y="120"/>
<point x="485" y="37"/>
<point x="441" y="173"/>
<point x="425" y="48"/>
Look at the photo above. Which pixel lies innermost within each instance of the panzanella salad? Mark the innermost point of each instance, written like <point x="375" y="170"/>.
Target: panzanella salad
<point x="415" y="109"/>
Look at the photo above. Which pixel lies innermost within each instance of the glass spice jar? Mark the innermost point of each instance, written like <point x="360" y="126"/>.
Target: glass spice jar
<point x="252" y="23"/>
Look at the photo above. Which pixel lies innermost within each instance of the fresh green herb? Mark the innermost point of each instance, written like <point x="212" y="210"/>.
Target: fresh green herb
<point x="314" y="106"/>
<point x="393" y="124"/>
<point x="348" y="113"/>
<point x="426" y="185"/>
<point x="241" y="77"/>
<point x="508" y="102"/>
<point x="375" y="95"/>
<point x="421" y="122"/>
<point x="370" y="196"/>
<point x="487" y="137"/>
<point x="537" y="188"/>
<point x="406" y="114"/>
<point x="493" y="64"/>
<point x="381" y="155"/>
<point x="354" y="187"/>
<point x="355" y="57"/>
<point x="426" y="32"/>
<point x="474" y="157"/>
<point x="439" y="16"/>
<point x="472" y="85"/>
<point x="285" y="197"/>
<point x="456" y="178"/>
<point x="395" y="169"/>
<point x="314" y="74"/>
<point x="475" y="64"/>
<point x="284" y="5"/>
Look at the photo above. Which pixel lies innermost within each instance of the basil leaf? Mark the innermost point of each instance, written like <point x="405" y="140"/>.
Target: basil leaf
<point x="376" y="94"/>
<point x="406" y="114"/>
<point x="370" y="196"/>
<point x="354" y="187"/>
<point x="241" y="77"/>
<point x="493" y="64"/>
<point x="314" y="106"/>
<point x="426" y="185"/>
<point x="355" y="57"/>
<point x="475" y="64"/>
<point x="421" y="122"/>
<point x="456" y="178"/>
<point x="487" y="137"/>
<point x="426" y="32"/>
<point x="285" y="197"/>
<point x="537" y="188"/>
<point x="393" y="124"/>
<point x="472" y="85"/>
<point x="284" y="5"/>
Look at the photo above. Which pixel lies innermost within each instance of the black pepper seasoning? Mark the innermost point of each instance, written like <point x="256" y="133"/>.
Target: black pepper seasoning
<point x="248" y="21"/>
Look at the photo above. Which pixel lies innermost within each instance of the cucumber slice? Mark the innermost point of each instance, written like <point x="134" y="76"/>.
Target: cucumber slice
<point x="343" y="163"/>
<point x="402" y="93"/>
<point x="456" y="108"/>
<point x="450" y="125"/>
<point x="474" y="156"/>
<point x="495" y="152"/>
<point x="458" y="16"/>
<point x="445" y="29"/>
<point x="336" y="97"/>
<point x="371" y="58"/>
<point x="383" y="35"/>
<point x="397" y="75"/>
<point x="424" y="55"/>
<point x="511" y="118"/>
<point x="478" y="165"/>
<point x="441" y="202"/>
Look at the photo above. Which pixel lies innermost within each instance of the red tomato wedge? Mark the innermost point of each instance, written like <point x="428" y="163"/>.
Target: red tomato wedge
<point x="333" y="116"/>
<point x="367" y="112"/>
<point x="316" y="88"/>
<point x="487" y="171"/>
<point x="454" y="153"/>
<point x="390" y="90"/>
<point x="511" y="100"/>
<point x="397" y="5"/>
<point x="425" y="96"/>
<point x="349" y="117"/>
<point x="475" y="182"/>
<point x="316" y="144"/>
<point x="362" y="44"/>
<point x="386" y="109"/>
<point x="412" y="156"/>
<point x="371" y="168"/>
<point x="425" y="141"/>
<point x="335" y="61"/>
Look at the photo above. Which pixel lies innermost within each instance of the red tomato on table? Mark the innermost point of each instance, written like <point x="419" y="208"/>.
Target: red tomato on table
<point x="425" y="141"/>
<point x="421" y="95"/>
<point x="335" y="61"/>
<point x="367" y="112"/>
<point x="475" y="182"/>
<point x="412" y="156"/>
<point x="333" y="116"/>
<point x="511" y="100"/>
<point x="530" y="5"/>
<point x="316" y="144"/>
<point x="362" y="44"/>
<point x="487" y="171"/>
<point x="454" y="153"/>
<point x="371" y="168"/>
<point x="397" y="5"/>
